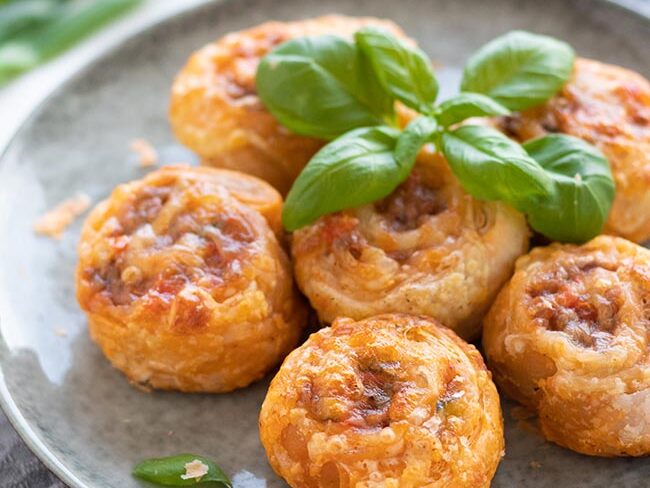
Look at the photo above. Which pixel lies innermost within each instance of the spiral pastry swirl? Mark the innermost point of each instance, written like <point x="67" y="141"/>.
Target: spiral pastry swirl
<point x="185" y="284"/>
<point x="609" y="107"/>
<point x="394" y="400"/>
<point x="428" y="248"/>
<point x="215" y="110"/>
<point x="569" y="337"/>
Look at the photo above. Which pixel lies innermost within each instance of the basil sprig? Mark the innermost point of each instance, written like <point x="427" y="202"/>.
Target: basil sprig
<point x="177" y="471"/>
<point x="334" y="89"/>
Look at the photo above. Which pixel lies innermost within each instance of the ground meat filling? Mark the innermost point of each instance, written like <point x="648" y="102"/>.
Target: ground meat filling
<point x="410" y="204"/>
<point x="372" y="409"/>
<point x="245" y="55"/>
<point x="197" y="246"/>
<point x="565" y="300"/>
<point x="143" y="210"/>
<point x="377" y="394"/>
<point x="340" y="234"/>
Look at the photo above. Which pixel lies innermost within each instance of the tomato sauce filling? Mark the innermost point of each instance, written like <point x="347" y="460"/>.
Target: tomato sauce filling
<point x="563" y="301"/>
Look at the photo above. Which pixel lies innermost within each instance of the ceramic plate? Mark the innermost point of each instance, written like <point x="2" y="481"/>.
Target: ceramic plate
<point x="79" y="414"/>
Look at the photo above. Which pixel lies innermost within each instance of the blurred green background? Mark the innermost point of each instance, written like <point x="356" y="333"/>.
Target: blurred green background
<point x="33" y="31"/>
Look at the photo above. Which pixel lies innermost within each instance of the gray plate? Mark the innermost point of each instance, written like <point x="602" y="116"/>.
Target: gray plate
<point x="77" y="413"/>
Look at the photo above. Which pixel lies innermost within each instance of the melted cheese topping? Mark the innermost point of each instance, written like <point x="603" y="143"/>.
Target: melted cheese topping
<point x="394" y="400"/>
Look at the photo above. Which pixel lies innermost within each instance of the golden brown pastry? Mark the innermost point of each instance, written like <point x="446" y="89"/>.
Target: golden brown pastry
<point x="609" y="107"/>
<point x="215" y="110"/>
<point x="569" y="337"/>
<point x="391" y="401"/>
<point x="428" y="248"/>
<point x="185" y="284"/>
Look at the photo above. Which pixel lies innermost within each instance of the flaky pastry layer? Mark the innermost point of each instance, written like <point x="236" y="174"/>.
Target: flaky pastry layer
<point x="393" y="401"/>
<point x="185" y="285"/>
<point x="428" y="248"/>
<point x="569" y="337"/>
<point x="215" y="110"/>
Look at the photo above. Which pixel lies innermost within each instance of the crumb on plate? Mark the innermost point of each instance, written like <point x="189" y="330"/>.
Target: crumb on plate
<point x="60" y="331"/>
<point x="54" y="222"/>
<point x="147" y="154"/>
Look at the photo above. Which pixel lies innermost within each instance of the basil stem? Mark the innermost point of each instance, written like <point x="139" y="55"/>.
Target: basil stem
<point x="416" y="134"/>
<point x="18" y="15"/>
<point x="77" y="23"/>
<point x="74" y="22"/>
<point x="466" y="105"/>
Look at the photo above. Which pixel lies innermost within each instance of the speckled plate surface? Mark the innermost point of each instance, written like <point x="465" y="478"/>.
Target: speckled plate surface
<point x="81" y="416"/>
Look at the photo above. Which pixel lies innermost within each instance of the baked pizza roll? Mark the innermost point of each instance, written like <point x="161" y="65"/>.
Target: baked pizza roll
<point x="609" y="107"/>
<point x="569" y="337"/>
<point x="215" y="110"/>
<point x="429" y="248"/>
<point x="185" y="284"/>
<point x="393" y="401"/>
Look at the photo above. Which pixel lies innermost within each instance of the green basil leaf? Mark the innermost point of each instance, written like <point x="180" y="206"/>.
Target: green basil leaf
<point x="584" y="189"/>
<point x="355" y="169"/>
<point x="173" y="471"/>
<point x="416" y="134"/>
<point x="492" y="167"/>
<point x="519" y="70"/>
<point x="466" y="105"/>
<point x="404" y="71"/>
<point x="321" y="86"/>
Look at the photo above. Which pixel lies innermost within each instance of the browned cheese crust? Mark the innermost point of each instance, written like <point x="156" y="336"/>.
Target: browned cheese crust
<point x="184" y="282"/>
<point x="609" y="107"/>
<point x="428" y="248"/>
<point x="569" y="337"/>
<point x="394" y="401"/>
<point x="215" y="110"/>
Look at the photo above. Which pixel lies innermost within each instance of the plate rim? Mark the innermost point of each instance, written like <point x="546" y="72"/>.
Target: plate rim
<point x="8" y="405"/>
<point x="638" y="8"/>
